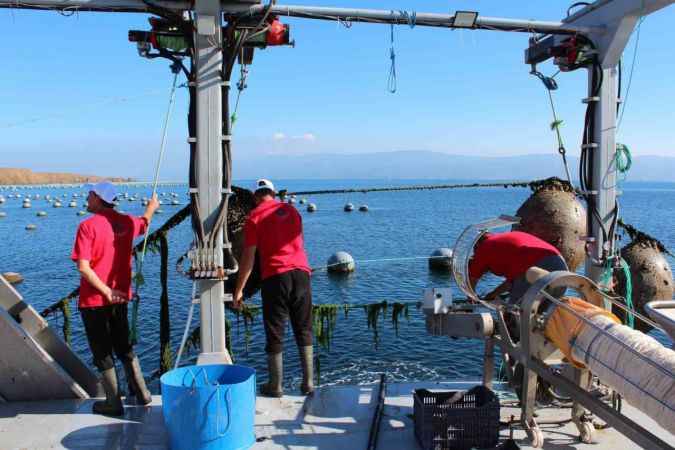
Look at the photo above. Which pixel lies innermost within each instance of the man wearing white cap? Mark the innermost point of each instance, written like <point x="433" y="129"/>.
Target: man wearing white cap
<point x="274" y="229"/>
<point x="102" y="251"/>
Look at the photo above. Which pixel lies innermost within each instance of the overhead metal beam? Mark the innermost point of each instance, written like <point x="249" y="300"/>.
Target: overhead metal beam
<point x="619" y="18"/>
<point x="97" y="5"/>
<point x="398" y="17"/>
<point x="245" y="7"/>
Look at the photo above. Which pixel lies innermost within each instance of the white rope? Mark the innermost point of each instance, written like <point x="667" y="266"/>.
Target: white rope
<point x="162" y="147"/>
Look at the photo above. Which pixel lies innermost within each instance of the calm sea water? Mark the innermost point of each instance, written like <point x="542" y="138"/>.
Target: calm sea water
<point x="398" y="225"/>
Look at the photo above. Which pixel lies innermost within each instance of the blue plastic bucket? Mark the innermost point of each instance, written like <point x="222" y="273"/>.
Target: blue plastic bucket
<point x="209" y="407"/>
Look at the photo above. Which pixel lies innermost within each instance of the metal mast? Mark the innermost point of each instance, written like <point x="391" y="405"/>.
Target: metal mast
<point x="208" y="60"/>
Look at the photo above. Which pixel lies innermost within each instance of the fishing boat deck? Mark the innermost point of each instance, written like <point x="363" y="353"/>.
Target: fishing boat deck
<point x="336" y="417"/>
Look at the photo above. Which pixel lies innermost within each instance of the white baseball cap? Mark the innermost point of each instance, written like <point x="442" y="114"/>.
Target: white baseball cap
<point x="263" y="184"/>
<point x="105" y="190"/>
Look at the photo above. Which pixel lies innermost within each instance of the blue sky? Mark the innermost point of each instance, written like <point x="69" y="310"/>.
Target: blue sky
<point x="75" y="96"/>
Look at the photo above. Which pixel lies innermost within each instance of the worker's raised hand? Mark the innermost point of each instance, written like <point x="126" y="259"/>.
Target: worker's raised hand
<point x="153" y="204"/>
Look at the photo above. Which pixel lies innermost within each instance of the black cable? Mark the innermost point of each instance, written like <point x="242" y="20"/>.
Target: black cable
<point x="574" y="5"/>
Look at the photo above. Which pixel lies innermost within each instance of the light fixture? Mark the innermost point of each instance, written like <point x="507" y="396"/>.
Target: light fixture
<point x="465" y="19"/>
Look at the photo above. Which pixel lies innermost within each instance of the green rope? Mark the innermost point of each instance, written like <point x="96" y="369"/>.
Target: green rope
<point x="629" y="292"/>
<point x="623" y="159"/>
<point x="606" y="280"/>
<point x="65" y="310"/>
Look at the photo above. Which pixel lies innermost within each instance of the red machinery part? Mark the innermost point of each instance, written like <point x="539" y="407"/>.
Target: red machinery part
<point x="278" y="33"/>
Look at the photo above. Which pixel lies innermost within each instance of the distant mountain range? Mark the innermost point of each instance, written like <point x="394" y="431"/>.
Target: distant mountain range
<point x="432" y="165"/>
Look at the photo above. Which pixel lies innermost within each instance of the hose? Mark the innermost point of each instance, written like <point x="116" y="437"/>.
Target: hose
<point x="188" y="322"/>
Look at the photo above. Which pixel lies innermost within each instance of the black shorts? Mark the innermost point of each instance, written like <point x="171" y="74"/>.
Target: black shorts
<point x="107" y="331"/>
<point x="284" y="295"/>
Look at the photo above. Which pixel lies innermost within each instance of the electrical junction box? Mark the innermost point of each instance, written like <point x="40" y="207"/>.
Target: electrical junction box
<point x="437" y="300"/>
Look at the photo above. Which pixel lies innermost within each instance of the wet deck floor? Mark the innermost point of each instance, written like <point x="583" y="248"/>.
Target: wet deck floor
<point x="336" y="417"/>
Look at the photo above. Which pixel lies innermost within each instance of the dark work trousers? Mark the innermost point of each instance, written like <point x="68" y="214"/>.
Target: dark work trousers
<point x="107" y="330"/>
<point x="283" y="295"/>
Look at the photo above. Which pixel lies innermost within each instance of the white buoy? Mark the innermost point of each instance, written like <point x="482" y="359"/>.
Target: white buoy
<point x="72" y="204"/>
<point x="41" y="214"/>
<point x="175" y="202"/>
<point x="441" y="259"/>
<point x="349" y="207"/>
<point x="2" y="199"/>
<point x="3" y="214"/>
<point x="57" y="204"/>
<point x="363" y="208"/>
<point x="26" y="204"/>
<point x="340" y="262"/>
<point x="311" y="207"/>
<point x="291" y="200"/>
<point x="31" y="227"/>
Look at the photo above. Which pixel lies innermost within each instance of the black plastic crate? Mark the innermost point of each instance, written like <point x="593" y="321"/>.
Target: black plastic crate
<point x="456" y="420"/>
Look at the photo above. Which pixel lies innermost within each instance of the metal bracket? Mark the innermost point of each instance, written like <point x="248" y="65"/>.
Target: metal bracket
<point x="191" y="140"/>
<point x="590" y="99"/>
<point x="591" y="145"/>
<point x="226" y="137"/>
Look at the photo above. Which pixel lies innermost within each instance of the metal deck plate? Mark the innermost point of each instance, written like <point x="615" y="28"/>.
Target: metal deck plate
<point x="337" y="417"/>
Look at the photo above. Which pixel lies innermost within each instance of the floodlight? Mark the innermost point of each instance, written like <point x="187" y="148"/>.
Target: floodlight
<point x="465" y="19"/>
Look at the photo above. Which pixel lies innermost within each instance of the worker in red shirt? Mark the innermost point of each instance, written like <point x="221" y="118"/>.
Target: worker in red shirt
<point x="510" y="255"/>
<point x="103" y="251"/>
<point x="274" y="229"/>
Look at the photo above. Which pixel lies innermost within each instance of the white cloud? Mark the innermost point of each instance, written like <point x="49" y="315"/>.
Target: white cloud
<point x="306" y="137"/>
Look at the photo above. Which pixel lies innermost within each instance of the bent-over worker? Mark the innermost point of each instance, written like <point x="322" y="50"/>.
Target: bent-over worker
<point x="510" y="255"/>
<point x="103" y="251"/>
<point x="274" y="229"/>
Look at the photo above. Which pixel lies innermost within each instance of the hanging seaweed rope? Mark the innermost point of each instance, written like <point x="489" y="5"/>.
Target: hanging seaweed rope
<point x="165" y="354"/>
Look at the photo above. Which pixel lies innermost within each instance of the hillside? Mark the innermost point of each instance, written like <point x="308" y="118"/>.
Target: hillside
<point x="26" y="176"/>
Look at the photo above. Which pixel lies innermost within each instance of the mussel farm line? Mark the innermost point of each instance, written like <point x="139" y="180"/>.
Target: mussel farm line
<point x="324" y="315"/>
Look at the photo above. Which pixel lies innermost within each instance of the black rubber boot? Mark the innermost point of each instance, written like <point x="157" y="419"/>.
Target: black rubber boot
<point x="112" y="405"/>
<point x="307" y="363"/>
<point x="137" y="382"/>
<point x="275" y="367"/>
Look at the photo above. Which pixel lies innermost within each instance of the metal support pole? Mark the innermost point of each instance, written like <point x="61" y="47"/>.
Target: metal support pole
<point x="489" y="362"/>
<point x="603" y="172"/>
<point x="208" y="60"/>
